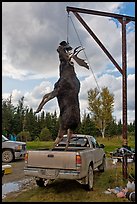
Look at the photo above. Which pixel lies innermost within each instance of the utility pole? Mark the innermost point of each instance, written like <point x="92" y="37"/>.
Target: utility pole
<point x="123" y="19"/>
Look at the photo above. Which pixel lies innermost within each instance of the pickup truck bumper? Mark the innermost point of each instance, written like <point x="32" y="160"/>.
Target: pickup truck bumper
<point x="52" y="173"/>
<point x="20" y="155"/>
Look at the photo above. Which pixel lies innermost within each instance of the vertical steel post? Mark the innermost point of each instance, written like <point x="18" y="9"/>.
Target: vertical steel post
<point x="124" y="82"/>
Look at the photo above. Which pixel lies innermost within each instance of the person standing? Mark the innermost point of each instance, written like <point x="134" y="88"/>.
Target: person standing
<point x="12" y="137"/>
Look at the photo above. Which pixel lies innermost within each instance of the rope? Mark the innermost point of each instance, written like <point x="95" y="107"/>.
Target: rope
<point x="84" y="53"/>
<point x="68" y="28"/>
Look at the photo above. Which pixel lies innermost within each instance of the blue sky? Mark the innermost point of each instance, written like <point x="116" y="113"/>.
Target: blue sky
<point x="31" y="34"/>
<point x="128" y="9"/>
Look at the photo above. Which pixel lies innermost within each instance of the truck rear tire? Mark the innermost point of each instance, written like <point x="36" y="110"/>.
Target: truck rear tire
<point x="40" y="182"/>
<point x="89" y="186"/>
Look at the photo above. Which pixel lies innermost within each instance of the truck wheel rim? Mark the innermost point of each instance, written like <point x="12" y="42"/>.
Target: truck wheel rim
<point x="7" y="156"/>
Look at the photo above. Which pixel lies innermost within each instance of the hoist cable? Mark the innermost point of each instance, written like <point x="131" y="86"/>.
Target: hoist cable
<point x="85" y="53"/>
<point x="68" y="28"/>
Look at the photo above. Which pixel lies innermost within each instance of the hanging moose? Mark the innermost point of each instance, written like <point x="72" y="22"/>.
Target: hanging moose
<point x="66" y="89"/>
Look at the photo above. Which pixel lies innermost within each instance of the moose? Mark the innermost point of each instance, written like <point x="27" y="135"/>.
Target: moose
<point x="66" y="89"/>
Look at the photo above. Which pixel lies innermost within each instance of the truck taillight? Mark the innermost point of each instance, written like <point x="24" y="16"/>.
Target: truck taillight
<point x="78" y="160"/>
<point x="26" y="158"/>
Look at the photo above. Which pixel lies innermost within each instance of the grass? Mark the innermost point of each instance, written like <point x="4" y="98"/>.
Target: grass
<point x="39" y="144"/>
<point x="114" y="142"/>
<point x="72" y="191"/>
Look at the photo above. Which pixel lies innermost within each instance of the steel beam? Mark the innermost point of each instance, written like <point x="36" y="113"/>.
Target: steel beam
<point x="99" y="13"/>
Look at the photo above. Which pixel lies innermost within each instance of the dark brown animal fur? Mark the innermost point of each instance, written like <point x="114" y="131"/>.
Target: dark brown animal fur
<point x="66" y="89"/>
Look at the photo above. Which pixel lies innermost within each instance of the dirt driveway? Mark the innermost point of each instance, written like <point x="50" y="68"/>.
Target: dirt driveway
<point x="17" y="172"/>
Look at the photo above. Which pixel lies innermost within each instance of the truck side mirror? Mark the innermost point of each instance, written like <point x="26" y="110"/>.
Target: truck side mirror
<point x="101" y="146"/>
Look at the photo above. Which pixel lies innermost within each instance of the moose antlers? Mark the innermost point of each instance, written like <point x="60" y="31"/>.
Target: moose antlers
<point x="80" y="61"/>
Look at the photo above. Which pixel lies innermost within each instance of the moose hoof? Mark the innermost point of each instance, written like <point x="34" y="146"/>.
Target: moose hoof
<point x="37" y="111"/>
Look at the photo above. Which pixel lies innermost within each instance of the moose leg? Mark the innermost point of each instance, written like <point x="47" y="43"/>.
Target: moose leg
<point x="59" y="137"/>
<point x="69" y="135"/>
<point x="45" y="99"/>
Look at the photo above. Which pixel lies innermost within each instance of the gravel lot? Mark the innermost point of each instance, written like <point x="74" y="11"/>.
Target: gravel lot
<point x="17" y="172"/>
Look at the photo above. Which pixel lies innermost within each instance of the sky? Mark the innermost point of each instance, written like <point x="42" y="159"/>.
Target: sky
<point x="31" y="33"/>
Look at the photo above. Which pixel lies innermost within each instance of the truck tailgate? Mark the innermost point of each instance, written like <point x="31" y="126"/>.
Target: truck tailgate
<point x="52" y="159"/>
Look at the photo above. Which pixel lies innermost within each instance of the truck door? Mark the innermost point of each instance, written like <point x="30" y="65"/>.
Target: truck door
<point x="97" y="151"/>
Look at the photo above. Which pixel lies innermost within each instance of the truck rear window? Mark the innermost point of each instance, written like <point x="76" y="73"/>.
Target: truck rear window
<point x="75" y="142"/>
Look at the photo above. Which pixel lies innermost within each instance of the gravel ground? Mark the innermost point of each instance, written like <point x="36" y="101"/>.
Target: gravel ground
<point x="17" y="172"/>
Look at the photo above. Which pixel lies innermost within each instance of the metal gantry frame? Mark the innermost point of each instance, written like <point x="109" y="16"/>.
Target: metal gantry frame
<point x="123" y="19"/>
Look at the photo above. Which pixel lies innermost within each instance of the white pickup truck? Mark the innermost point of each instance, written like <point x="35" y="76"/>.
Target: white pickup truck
<point x="78" y="162"/>
<point x="12" y="150"/>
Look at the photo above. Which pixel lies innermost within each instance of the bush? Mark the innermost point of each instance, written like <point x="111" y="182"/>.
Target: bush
<point x="45" y="135"/>
<point x="36" y="138"/>
<point x="24" y="136"/>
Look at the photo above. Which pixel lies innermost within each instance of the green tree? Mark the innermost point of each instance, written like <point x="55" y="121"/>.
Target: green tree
<point x="23" y="136"/>
<point x="112" y="129"/>
<point x="131" y="127"/>
<point x="42" y="120"/>
<point x="101" y="107"/>
<point x="45" y="135"/>
<point x="87" y="126"/>
<point x="31" y="124"/>
<point x="54" y="125"/>
<point x="8" y="111"/>
<point x="19" y="116"/>
<point x="119" y="128"/>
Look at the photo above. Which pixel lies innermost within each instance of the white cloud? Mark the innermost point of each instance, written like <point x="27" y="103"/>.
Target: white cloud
<point x="31" y="32"/>
<point x="33" y="98"/>
<point x="131" y="50"/>
<point x="9" y="70"/>
<point x="115" y="86"/>
<point x="15" y="96"/>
